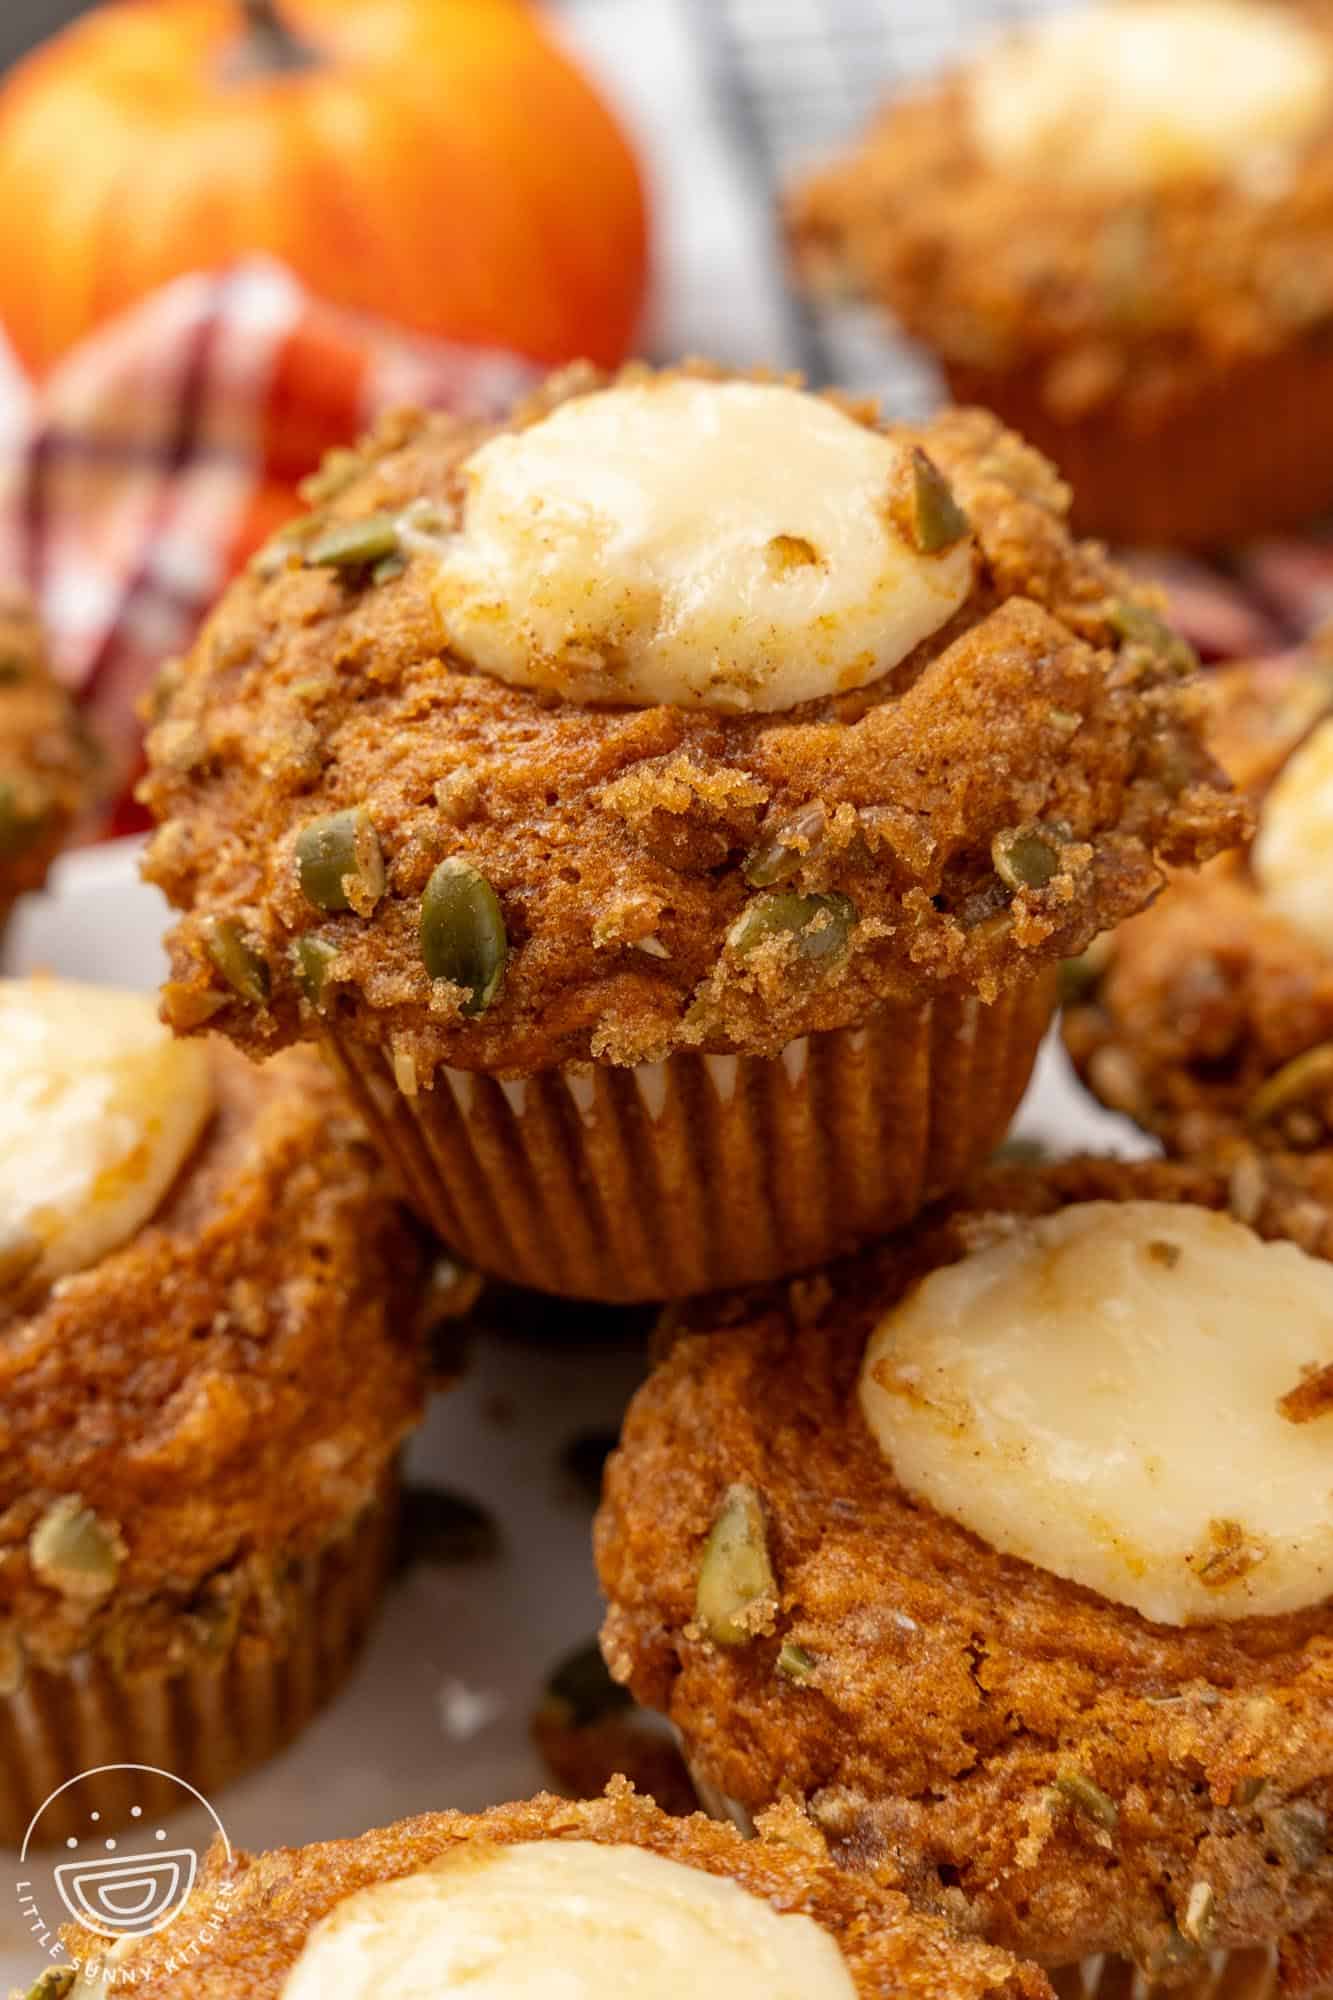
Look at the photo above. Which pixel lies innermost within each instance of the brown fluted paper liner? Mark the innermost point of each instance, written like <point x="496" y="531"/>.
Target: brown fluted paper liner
<point x="205" y="1724"/>
<point x="706" y="1171"/>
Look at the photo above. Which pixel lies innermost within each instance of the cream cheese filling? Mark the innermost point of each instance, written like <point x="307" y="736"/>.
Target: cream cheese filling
<point x="1151" y="91"/>
<point x="99" y="1109"/>
<point x="568" y="1919"/>
<point x="727" y="545"/>
<point x="1107" y="1393"/>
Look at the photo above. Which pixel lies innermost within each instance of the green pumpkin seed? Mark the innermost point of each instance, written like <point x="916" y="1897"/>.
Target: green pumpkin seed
<point x="1137" y="625"/>
<point x="56" y="1983"/>
<point x="73" y="1551"/>
<point x="463" y="936"/>
<point x="1028" y="857"/>
<point x="795" y="1663"/>
<point x="311" y="959"/>
<point x="240" y="965"/>
<point x="1089" y="1799"/>
<point x="819" y="925"/>
<point x="336" y="472"/>
<point x="736" y="1587"/>
<point x="354" y="544"/>
<point x="340" y="862"/>
<point x="20" y="827"/>
<point x="936" y="521"/>
<point x="1297" y="1081"/>
<point x="778" y="857"/>
<point x="388" y="567"/>
<point x="581" y="1691"/>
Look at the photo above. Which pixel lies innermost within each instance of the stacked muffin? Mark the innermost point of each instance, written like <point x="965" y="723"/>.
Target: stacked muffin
<point x="669" y="810"/>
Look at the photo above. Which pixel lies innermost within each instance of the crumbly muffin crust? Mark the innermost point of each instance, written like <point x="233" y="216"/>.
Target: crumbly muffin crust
<point x="223" y="1396"/>
<point x="45" y="759"/>
<point x="617" y="840"/>
<point x="1037" y="1763"/>
<point x="1104" y="296"/>
<point x="276" y="1899"/>
<point x="1209" y="1019"/>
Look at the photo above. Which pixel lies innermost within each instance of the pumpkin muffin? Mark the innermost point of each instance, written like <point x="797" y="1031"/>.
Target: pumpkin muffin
<point x="45" y="761"/>
<point x="1209" y="1020"/>
<point x="208" y="1360"/>
<point x="670" y="807"/>
<point x="1005" y="1552"/>
<point x="1116" y="229"/>
<point x="551" y="1892"/>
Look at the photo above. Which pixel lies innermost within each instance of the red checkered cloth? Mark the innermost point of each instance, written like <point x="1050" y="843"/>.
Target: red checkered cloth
<point x="154" y="460"/>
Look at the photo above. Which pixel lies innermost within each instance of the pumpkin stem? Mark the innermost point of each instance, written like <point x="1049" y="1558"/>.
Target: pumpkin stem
<point x="272" y="45"/>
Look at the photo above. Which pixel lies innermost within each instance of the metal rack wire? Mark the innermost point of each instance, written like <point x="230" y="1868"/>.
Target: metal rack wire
<point x="794" y="79"/>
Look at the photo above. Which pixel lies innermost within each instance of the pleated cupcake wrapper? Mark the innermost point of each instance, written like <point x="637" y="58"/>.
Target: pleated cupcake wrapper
<point x="1251" y="451"/>
<point x="207" y="1723"/>
<point x="1222" y="1975"/>
<point x="706" y="1171"/>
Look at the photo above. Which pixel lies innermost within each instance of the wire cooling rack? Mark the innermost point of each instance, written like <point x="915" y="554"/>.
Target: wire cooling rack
<point x="793" y="80"/>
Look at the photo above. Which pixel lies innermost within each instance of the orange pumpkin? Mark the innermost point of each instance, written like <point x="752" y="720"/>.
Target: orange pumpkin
<point x="437" y="162"/>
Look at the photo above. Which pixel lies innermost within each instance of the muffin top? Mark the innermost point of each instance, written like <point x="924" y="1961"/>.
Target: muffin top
<point x="45" y="761"/>
<point x="207" y="1342"/>
<point x="1005" y="1549"/>
<point x="1209" y="1019"/>
<point x="1128" y="199"/>
<point x="494" y="1903"/>
<point x="680" y="711"/>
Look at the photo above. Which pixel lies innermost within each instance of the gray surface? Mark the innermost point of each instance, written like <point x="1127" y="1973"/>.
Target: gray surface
<point x="23" y="22"/>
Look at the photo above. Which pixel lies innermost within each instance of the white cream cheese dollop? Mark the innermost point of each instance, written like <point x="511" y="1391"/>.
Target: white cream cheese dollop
<point x="1150" y="91"/>
<point x="1292" y="856"/>
<point x="99" y="1109"/>
<point x="718" y="544"/>
<point x="1098" y="1392"/>
<point x="566" y="1918"/>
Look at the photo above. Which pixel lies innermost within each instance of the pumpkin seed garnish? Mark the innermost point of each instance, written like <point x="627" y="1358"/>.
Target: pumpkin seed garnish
<point x="19" y="825"/>
<point x="56" y="1983"/>
<point x="737" y="1590"/>
<point x="73" y="1551"/>
<point x="354" y="544"/>
<point x="388" y="567"/>
<point x="935" y="520"/>
<point x="463" y="937"/>
<point x="1137" y="625"/>
<point x="819" y="925"/>
<point x="335" y="473"/>
<point x="340" y="862"/>
<point x="795" y="1663"/>
<point x="311" y="959"/>
<point x="580" y="1690"/>
<point x="1301" y="1831"/>
<point x="778" y="857"/>
<point x="1199" y="1920"/>
<point x="1028" y="857"/>
<point x="1301" y="1078"/>
<point x="240" y="965"/>
<point x="1088" y="1798"/>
